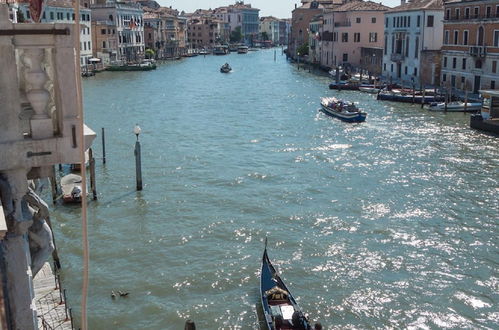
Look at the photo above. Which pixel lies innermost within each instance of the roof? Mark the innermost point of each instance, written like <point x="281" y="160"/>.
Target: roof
<point x="420" y="5"/>
<point x="359" y="5"/>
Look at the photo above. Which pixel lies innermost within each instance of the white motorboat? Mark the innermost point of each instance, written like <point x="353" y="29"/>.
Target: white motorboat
<point x="457" y="106"/>
<point x="368" y="89"/>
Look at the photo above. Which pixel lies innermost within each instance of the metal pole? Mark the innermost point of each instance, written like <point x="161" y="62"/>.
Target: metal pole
<point x="138" y="165"/>
<point x="53" y="184"/>
<point x="92" y="173"/>
<point x="275" y="55"/>
<point x="103" y="146"/>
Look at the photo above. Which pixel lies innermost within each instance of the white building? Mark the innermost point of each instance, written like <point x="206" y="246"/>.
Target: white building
<point x="62" y="11"/>
<point x="128" y="17"/>
<point x="270" y="26"/>
<point x="413" y="39"/>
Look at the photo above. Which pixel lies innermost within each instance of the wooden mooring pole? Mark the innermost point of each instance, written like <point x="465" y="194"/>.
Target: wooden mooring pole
<point x="92" y="173"/>
<point x="53" y="184"/>
<point x="103" y="146"/>
<point x="190" y="325"/>
<point x="138" y="165"/>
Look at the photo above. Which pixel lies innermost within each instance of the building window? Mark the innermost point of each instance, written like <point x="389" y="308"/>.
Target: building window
<point x="467" y="13"/>
<point x="444" y="77"/>
<point x="463" y="80"/>
<point x="373" y="37"/>
<point x="415" y="72"/>
<point x="386" y="22"/>
<point x="453" y="81"/>
<point x="344" y="37"/>
<point x="458" y="13"/>
<point x="408" y="21"/>
<point x="446" y="37"/>
<point x="488" y="11"/>
<point x="405" y="70"/>
<point x="430" y="21"/>
<point x="418" y="23"/>
<point x="386" y="46"/>
<point x="103" y="31"/>
<point x="447" y="14"/>
<point x="67" y="16"/>
<point x="454" y="62"/>
<point x="345" y="57"/>
<point x="445" y="61"/>
<point x="494" y="66"/>
<point x="456" y="37"/>
<point x="52" y="15"/>
<point x="416" y="52"/>
<point x="464" y="64"/>
<point x="465" y="37"/>
<point x="391" y="67"/>
<point x="492" y="84"/>
<point x="477" y="12"/>
<point x="394" y="21"/>
<point x="373" y="20"/>
<point x="407" y="46"/>
<point x="478" y="64"/>
<point x="496" y="38"/>
<point x="384" y="66"/>
<point x="357" y="20"/>
<point x="103" y="44"/>
<point x="356" y="37"/>
<point x="335" y="36"/>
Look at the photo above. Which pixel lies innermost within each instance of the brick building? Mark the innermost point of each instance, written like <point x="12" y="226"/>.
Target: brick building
<point x="470" y="51"/>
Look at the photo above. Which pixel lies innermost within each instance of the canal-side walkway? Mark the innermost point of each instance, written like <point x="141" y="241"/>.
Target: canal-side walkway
<point x="53" y="312"/>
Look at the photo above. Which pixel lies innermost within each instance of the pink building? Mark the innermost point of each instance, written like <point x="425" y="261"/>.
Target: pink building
<point x="356" y="27"/>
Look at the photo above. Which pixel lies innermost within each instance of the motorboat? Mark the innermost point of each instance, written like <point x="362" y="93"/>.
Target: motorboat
<point x="407" y="96"/>
<point x="71" y="186"/>
<point x="457" y="106"/>
<point x="242" y="49"/>
<point x="344" y="85"/>
<point x="344" y="110"/>
<point x="225" y="68"/>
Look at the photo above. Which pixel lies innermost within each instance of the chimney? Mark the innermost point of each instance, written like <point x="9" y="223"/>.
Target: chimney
<point x="402" y="2"/>
<point x="295" y="5"/>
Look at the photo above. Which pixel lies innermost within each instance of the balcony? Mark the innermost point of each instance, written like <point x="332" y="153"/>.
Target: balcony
<point x="340" y="24"/>
<point x="397" y="57"/>
<point x="478" y="51"/>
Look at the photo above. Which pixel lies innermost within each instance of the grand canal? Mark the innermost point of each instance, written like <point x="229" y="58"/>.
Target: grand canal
<point x="392" y="223"/>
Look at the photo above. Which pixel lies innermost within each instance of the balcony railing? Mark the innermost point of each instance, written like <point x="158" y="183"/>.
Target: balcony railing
<point x="397" y="57"/>
<point x="478" y="51"/>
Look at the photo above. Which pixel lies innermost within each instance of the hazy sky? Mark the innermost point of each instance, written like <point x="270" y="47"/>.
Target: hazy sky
<point x="277" y="8"/>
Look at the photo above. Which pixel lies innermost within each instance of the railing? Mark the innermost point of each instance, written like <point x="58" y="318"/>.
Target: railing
<point x="397" y="57"/>
<point x="479" y="51"/>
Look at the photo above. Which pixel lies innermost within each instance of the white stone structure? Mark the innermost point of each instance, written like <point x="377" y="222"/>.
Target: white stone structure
<point x="410" y="29"/>
<point x="63" y="12"/>
<point x="39" y="128"/>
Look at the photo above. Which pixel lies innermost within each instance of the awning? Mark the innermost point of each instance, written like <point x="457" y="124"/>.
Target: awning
<point x="93" y="59"/>
<point x="89" y="136"/>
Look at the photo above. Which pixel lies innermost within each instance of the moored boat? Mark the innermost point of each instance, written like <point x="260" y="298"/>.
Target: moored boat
<point x="71" y="186"/>
<point x="371" y="89"/>
<point x="457" y="106"/>
<point x="344" y="110"/>
<point x="242" y="49"/>
<point x="406" y="96"/>
<point x="344" y="85"/>
<point x="221" y="50"/>
<point x="146" y="65"/>
<point x="280" y="308"/>
<point x="225" y="68"/>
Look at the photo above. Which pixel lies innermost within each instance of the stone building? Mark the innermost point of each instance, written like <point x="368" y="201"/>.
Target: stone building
<point x="240" y="15"/>
<point x="470" y="51"/>
<point x="127" y="17"/>
<point x="269" y="26"/>
<point x="105" y="41"/>
<point x="204" y="31"/>
<point x="40" y="128"/>
<point x="413" y="39"/>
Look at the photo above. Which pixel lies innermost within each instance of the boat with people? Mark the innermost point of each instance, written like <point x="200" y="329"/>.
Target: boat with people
<point x="344" y="110"/>
<point x="242" y="49"/>
<point x="280" y="309"/>
<point x="225" y="68"/>
<point x="221" y="50"/>
<point x="456" y="106"/>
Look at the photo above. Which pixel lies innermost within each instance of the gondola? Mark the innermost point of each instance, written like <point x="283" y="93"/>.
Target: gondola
<point x="280" y="309"/>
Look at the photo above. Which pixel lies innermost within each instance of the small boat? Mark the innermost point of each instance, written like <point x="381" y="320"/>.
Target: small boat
<point x="146" y="65"/>
<point x="344" y="85"/>
<point x="371" y="89"/>
<point x="407" y="97"/>
<point x="71" y="188"/>
<point x="203" y="52"/>
<point x="242" y="49"/>
<point x="225" y="68"/>
<point x="457" y="106"/>
<point x="279" y="306"/>
<point x="221" y="50"/>
<point x="344" y="110"/>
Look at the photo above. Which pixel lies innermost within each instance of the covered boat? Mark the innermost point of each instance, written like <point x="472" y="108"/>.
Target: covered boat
<point x="279" y="307"/>
<point x="344" y="85"/>
<point x="71" y="186"/>
<point x="344" y="110"/>
<point x="457" y="106"/>
<point x="242" y="49"/>
<point x="225" y="68"/>
<point x="371" y="89"/>
<point x="406" y="96"/>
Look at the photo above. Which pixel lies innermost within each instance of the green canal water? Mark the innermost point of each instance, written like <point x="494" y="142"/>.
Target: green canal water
<point x="392" y="223"/>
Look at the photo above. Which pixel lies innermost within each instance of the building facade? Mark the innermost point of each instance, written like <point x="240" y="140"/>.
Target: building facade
<point x="105" y="41"/>
<point x="355" y="25"/>
<point x="269" y="29"/>
<point x="470" y="51"/>
<point x="413" y="38"/>
<point x="62" y="11"/>
<point x="128" y="19"/>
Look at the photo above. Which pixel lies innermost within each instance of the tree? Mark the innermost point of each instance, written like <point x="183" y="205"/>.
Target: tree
<point x="149" y="53"/>
<point x="236" y="35"/>
<point x="265" y="36"/>
<point x="302" y="50"/>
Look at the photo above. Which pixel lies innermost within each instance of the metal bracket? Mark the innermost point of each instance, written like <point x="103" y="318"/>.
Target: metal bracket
<point x="43" y="153"/>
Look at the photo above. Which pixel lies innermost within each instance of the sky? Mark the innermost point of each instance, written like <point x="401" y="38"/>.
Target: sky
<point x="277" y="8"/>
